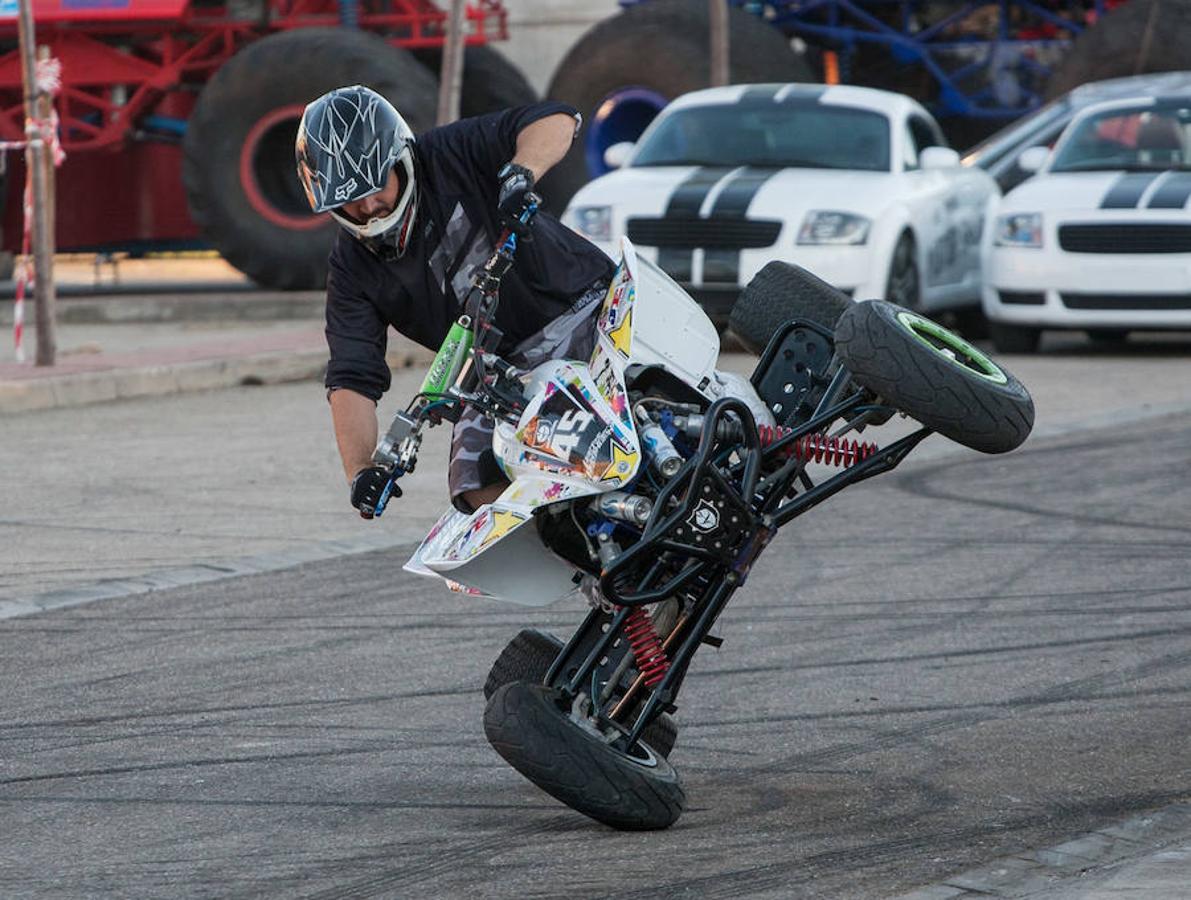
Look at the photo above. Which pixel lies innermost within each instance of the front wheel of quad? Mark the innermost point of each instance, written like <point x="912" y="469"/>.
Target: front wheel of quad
<point x="531" y="728"/>
<point x="932" y="374"/>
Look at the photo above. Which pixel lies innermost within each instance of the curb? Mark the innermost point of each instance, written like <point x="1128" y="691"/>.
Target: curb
<point x="85" y="388"/>
<point x="167" y="579"/>
<point x="169" y="304"/>
<point x="1036" y="873"/>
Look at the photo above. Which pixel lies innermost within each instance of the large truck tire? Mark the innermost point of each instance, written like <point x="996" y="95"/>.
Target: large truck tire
<point x="238" y="155"/>
<point x="619" y="87"/>
<point x="490" y="81"/>
<point x="1138" y="37"/>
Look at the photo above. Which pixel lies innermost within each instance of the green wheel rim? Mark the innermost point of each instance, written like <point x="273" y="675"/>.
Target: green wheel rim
<point x="951" y="346"/>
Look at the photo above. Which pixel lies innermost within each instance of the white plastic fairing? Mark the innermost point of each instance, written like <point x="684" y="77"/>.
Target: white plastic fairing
<point x="575" y="438"/>
<point x="496" y="552"/>
<point x="516" y="568"/>
<point x="669" y="328"/>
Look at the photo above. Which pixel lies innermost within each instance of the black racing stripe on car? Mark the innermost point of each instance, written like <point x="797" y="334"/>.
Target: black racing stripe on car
<point x="733" y="201"/>
<point x="677" y="262"/>
<point x="723" y="265"/>
<point x="1126" y="191"/>
<point x="688" y="197"/>
<point x="685" y="202"/>
<point x="1172" y="193"/>
<point x="806" y="93"/>
<point x="755" y="92"/>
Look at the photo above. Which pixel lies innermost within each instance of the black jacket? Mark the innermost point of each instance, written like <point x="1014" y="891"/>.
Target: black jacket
<point x="422" y="293"/>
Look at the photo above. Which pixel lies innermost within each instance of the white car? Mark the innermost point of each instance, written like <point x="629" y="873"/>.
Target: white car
<point x="1100" y="238"/>
<point x="855" y="184"/>
<point x="999" y="153"/>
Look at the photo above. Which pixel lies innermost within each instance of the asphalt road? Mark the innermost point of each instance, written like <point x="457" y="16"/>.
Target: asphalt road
<point x="965" y="658"/>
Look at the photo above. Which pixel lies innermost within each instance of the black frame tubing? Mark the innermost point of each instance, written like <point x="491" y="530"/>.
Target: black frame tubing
<point x="692" y="472"/>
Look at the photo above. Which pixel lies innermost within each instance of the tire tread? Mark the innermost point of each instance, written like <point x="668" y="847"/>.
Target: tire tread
<point x="781" y="292"/>
<point x="885" y="358"/>
<point x="539" y="741"/>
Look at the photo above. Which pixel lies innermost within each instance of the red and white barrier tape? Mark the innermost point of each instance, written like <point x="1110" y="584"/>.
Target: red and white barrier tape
<point x="48" y="78"/>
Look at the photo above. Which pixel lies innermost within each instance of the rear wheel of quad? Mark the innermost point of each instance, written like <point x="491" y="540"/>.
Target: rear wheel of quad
<point x="635" y="789"/>
<point x="781" y="292"/>
<point x="238" y="154"/>
<point x="528" y="657"/>
<point x="619" y="89"/>
<point x="934" y="375"/>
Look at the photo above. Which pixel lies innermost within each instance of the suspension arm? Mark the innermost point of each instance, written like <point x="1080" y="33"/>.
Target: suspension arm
<point x="883" y="460"/>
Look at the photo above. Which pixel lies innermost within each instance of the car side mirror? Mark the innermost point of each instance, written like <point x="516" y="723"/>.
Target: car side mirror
<point x="938" y="158"/>
<point x="1033" y="159"/>
<point x="618" y="154"/>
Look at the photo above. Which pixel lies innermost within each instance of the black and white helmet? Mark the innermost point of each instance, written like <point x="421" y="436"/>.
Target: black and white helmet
<point x="348" y="141"/>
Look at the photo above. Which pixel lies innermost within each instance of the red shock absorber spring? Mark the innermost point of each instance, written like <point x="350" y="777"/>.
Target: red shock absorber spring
<point x="820" y="448"/>
<point x="646" y="646"/>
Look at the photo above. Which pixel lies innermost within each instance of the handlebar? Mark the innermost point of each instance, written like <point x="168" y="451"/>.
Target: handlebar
<point x="450" y="383"/>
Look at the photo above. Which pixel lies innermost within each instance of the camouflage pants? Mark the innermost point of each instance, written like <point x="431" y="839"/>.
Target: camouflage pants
<point x="571" y="336"/>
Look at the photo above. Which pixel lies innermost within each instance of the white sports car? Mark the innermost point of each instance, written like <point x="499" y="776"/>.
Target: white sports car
<point x="855" y="184"/>
<point x="1100" y="238"/>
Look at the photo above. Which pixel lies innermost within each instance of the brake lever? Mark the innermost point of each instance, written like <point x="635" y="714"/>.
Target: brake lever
<point x="386" y="494"/>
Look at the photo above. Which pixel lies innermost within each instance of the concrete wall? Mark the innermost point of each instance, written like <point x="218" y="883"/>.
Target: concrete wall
<point x="542" y="31"/>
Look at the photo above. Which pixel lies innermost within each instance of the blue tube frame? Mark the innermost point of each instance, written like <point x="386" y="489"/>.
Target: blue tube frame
<point x="844" y="24"/>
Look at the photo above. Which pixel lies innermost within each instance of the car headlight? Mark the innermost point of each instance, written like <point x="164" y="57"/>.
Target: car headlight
<point x="829" y="227"/>
<point x="594" y="222"/>
<point x="1019" y="230"/>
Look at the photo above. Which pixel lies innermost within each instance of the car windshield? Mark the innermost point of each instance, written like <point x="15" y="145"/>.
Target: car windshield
<point x="782" y="135"/>
<point x="1025" y="132"/>
<point x="1144" y="139"/>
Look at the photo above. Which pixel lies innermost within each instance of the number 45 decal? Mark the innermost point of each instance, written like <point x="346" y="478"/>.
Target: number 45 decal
<point x="569" y="429"/>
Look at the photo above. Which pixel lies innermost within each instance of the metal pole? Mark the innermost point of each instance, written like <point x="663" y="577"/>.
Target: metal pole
<point x="451" y="77"/>
<point x="718" y="39"/>
<point x="36" y="159"/>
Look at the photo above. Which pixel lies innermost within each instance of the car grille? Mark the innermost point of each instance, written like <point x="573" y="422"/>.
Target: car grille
<point x="728" y="234"/>
<point x="1126" y="301"/>
<point x="1123" y="238"/>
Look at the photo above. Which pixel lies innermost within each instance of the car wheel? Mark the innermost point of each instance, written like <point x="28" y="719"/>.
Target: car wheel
<point x="1014" y="338"/>
<point x="904" y="287"/>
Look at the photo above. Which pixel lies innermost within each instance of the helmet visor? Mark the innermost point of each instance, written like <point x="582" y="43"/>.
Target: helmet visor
<point x="378" y="225"/>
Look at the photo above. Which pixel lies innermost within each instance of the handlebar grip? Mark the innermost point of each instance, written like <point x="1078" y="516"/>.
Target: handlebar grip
<point x="385" y="495"/>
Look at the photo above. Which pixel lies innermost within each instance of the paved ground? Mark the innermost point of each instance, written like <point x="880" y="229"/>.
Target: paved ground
<point x="963" y="661"/>
<point x="969" y="677"/>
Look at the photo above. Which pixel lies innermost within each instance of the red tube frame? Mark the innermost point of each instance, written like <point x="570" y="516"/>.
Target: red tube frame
<point x="119" y="63"/>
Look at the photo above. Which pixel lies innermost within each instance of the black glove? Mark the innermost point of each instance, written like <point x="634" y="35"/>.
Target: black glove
<point x="515" y="183"/>
<point x="369" y="486"/>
